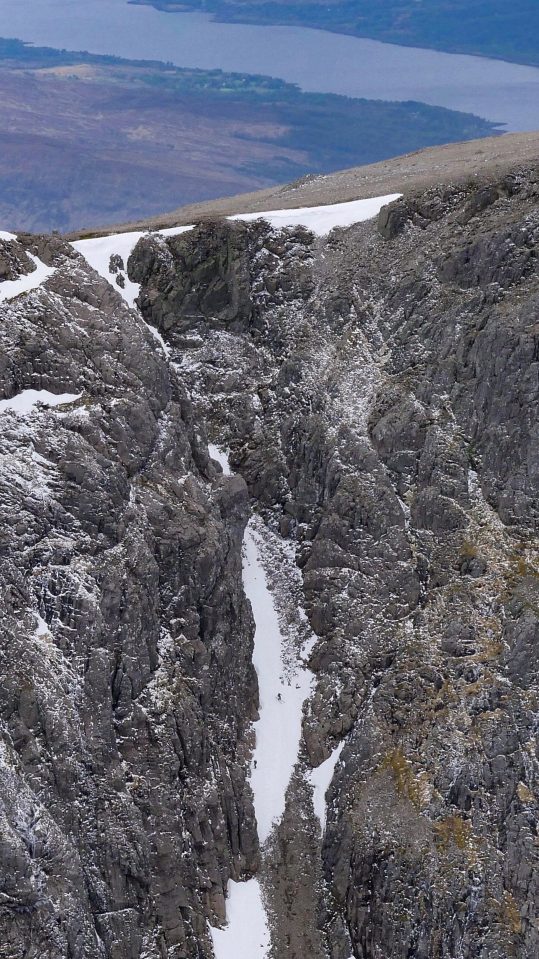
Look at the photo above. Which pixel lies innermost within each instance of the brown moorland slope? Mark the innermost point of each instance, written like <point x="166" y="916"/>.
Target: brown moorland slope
<point x="481" y="160"/>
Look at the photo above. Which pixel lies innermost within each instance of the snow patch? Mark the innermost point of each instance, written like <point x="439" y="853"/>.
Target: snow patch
<point x="98" y="251"/>
<point x="41" y="628"/>
<point x="157" y="336"/>
<point x="322" y="219"/>
<point x="7" y="236"/>
<point x="25" y="401"/>
<point x="221" y="457"/>
<point x="246" y="935"/>
<point x="26" y="282"/>
<point x="320" y="779"/>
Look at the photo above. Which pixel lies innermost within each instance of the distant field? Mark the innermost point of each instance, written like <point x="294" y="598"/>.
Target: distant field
<point x="489" y="28"/>
<point x="88" y="140"/>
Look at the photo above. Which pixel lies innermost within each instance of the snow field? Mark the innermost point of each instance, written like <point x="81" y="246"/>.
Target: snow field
<point x="322" y="219"/>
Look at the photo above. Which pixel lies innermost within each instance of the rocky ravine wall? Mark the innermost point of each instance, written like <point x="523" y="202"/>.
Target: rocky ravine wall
<point x="126" y="682"/>
<point x="377" y="392"/>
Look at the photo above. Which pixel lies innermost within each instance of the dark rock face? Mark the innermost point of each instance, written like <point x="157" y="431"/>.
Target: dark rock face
<point x="14" y="261"/>
<point x="124" y="706"/>
<point x="378" y="392"/>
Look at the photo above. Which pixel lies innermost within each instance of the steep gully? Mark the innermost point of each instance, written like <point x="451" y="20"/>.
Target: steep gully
<point x="347" y="378"/>
<point x="284" y="680"/>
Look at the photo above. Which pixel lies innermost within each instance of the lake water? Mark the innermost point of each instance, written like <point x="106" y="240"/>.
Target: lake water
<point x="316" y="60"/>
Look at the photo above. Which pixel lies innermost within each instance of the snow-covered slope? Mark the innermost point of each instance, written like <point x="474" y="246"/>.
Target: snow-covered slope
<point x="99" y="250"/>
<point x="322" y="219"/>
<point x="27" y="281"/>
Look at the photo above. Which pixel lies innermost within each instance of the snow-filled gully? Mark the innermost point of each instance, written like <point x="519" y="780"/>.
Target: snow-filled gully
<point x="283" y="688"/>
<point x="284" y="680"/>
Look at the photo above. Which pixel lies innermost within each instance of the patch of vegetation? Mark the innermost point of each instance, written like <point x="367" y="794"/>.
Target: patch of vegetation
<point x="453" y="829"/>
<point x="524" y="793"/>
<point x="414" y="787"/>
<point x="522" y="580"/>
<point x="510" y="913"/>
<point x="468" y="550"/>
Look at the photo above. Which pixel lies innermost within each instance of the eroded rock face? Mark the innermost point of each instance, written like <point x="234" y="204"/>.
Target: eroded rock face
<point x="379" y="394"/>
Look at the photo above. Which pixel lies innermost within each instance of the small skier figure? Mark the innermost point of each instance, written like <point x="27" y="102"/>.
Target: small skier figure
<point x="279" y="697"/>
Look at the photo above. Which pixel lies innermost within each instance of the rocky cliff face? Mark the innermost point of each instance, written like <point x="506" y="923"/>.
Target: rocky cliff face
<point x="378" y="393"/>
<point x="127" y="684"/>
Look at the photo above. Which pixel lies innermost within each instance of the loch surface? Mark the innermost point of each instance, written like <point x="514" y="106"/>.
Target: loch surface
<point x="316" y="60"/>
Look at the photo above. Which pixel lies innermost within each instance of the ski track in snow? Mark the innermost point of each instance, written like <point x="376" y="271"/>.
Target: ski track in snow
<point x="26" y="282"/>
<point x="24" y="402"/>
<point x="282" y="694"/>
